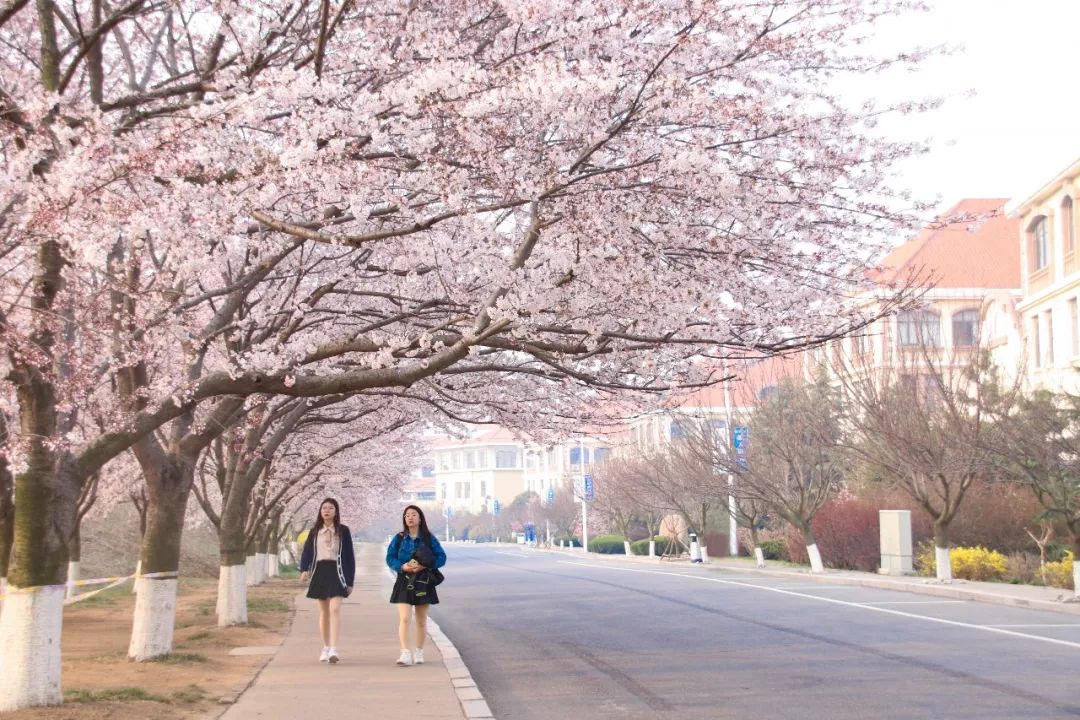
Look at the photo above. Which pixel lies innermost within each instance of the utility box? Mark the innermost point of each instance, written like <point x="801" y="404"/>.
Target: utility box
<point x="895" y="542"/>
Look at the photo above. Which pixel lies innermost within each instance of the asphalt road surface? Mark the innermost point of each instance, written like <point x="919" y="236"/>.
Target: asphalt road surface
<point x="549" y="636"/>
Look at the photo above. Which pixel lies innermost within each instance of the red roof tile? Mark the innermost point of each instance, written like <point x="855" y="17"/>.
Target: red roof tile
<point x="964" y="254"/>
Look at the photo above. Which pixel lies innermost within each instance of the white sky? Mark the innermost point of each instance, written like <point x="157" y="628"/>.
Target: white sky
<point x="1021" y="127"/>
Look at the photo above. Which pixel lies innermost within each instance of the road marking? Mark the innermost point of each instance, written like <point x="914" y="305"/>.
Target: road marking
<point x="1075" y="625"/>
<point x="875" y="608"/>
<point x="917" y="602"/>
<point x="512" y="554"/>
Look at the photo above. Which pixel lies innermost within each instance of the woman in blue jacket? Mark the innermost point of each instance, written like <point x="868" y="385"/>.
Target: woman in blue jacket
<point x="328" y="561"/>
<point x="412" y="553"/>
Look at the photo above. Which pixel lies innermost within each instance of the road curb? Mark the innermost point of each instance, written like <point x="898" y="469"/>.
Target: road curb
<point x="473" y="704"/>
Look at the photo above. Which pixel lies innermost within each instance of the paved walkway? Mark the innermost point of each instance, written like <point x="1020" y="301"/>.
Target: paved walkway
<point x="1029" y="596"/>
<point x="366" y="683"/>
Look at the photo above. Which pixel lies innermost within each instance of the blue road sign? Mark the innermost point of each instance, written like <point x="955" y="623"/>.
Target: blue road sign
<point x="449" y="511"/>
<point x="588" y="488"/>
<point x="551" y="496"/>
<point x="495" y="507"/>
<point x="740" y="438"/>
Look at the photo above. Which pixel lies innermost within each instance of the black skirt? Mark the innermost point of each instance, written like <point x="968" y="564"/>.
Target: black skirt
<point x="414" y="589"/>
<point x="325" y="582"/>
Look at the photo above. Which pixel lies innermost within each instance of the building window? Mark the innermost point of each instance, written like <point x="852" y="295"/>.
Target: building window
<point x="483" y="488"/>
<point x="1040" y="243"/>
<point x="1036" y="351"/>
<point x="1074" y="326"/>
<point x="470" y="459"/>
<point x="1049" y="337"/>
<point x="919" y="327"/>
<point x="428" y="470"/>
<point x="965" y="328"/>
<point x="455" y="461"/>
<point x="1068" y="227"/>
<point x="600" y="454"/>
<point x="506" y="458"/>
<point x="444" y="461"/>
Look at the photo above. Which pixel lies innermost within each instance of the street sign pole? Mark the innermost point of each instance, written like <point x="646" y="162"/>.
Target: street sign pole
<point x="584" y="505"/>
<point x="733" y="518"/>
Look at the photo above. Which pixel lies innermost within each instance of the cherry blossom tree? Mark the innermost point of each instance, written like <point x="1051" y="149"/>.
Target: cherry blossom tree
<point x="458" y="188"/>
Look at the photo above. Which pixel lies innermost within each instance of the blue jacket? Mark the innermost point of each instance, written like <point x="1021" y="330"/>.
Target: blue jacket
<point x="400" y="550"/>
<point x="346" y="561"/>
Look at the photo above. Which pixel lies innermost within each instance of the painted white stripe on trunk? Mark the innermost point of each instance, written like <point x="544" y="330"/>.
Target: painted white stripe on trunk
<point x="72" y="578"/>
<point x="261" y="565"/>
<point x="834" y="601"/>
<point x="652" y="548"/>
<point x="626" y="548"/>
<point x="273" y="568"/>
<point x="249" y="564"/>
<point x="1076" y="577"/>
<point x="815" y="559"/>
<point x="155" y="619"/>
<point x="759" y="555"/>
<point x="30" y="626"/>
<point x="944" y="564"/>
<point x="232" y="595"/>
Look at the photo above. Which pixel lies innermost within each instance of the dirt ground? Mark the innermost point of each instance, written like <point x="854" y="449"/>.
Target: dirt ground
<point x="100" y="682"/>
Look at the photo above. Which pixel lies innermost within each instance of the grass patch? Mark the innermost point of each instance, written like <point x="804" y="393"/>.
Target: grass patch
<point x="105" y="598"/>
<point x="289" y="573"/>
<point x="206" y="608"/>
<point x="181" y="658"/>
<point x="200" y="635"/>
<point x="266" y="605"/>
<point x="190" y="694"/>
<point x="121" y="694"/>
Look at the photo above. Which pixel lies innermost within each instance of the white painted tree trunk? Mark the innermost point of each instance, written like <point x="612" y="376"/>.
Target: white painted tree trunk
<point x="273" y="568"/>
<point x="232" y="595"/>
<point x="30" y="626"/>
<point x="944" y="564"/>
<point x="261" y="565"/>
<point x="626" y="547"/>
<point x="815" y="559"/>
<point x="1076" y="577"/>
<point x="704" y="554"/>
<point x="249" y="563"/>
<point x="72" y="578"/>
<point x="284" y="558"/>
<point x="135" y="582"/>
<point x="760" y="555"/>
<point x="155" y="617"/>
<point x="3" y="590"/>
<point x="652" y="548"/>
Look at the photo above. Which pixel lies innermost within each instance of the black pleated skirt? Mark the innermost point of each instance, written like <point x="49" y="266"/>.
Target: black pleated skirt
<point x="414" y="589"/>
<point x="324" y="581"/>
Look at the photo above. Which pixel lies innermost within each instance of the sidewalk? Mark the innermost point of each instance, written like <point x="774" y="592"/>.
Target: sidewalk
<point x="366" y="683"/>
<point x="1027" y="596"/>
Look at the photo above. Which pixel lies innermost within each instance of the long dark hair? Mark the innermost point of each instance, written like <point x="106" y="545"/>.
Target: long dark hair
<point x="423" y="532"/>
<point x="319" y="521"/>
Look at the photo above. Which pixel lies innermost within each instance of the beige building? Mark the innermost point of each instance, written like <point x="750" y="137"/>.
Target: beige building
<point x="970" y="261"/>
<point x="470" y="473"/>
<point x="1051" y="281"/>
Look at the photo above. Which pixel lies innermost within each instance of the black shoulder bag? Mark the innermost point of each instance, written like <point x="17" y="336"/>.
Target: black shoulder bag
<point x="426" y="557"/>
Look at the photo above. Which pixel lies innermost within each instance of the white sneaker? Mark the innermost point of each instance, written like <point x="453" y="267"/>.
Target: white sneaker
<point x="406" y="659"/>
<point x="325" y="655"/>
<point x="332" y="656"/>
<point x="418" y="656"/>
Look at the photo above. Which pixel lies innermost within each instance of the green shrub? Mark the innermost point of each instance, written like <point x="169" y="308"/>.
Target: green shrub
<point x="607" y="545"/>
<point x="773" y="549"/>
<point x="664" y="545"/>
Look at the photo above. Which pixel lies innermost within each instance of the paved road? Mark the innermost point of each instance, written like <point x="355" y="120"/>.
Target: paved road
<point x="549" y="636"/>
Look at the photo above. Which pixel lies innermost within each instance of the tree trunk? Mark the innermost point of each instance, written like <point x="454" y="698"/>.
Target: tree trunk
<point x="7" y="521"/>
<point x="816" y="566"/>
<point x="759" y="554"/>
<point x="1076" y="566"/>
<point x="155" y="607"/>
<point x="942" y="561"/>
<point x="74" y="558"/>
<point x="233" y="573"/>
<point x="31" y="622"/>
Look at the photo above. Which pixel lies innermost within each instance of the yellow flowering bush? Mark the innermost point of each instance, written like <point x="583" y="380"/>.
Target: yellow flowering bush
<point x="1060" y="573"/>
<point x="975" y="563"/>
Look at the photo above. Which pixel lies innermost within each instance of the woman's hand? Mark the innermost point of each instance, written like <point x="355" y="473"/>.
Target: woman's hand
<point x="410" y="567"/>
<point x="304" y="576"/>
